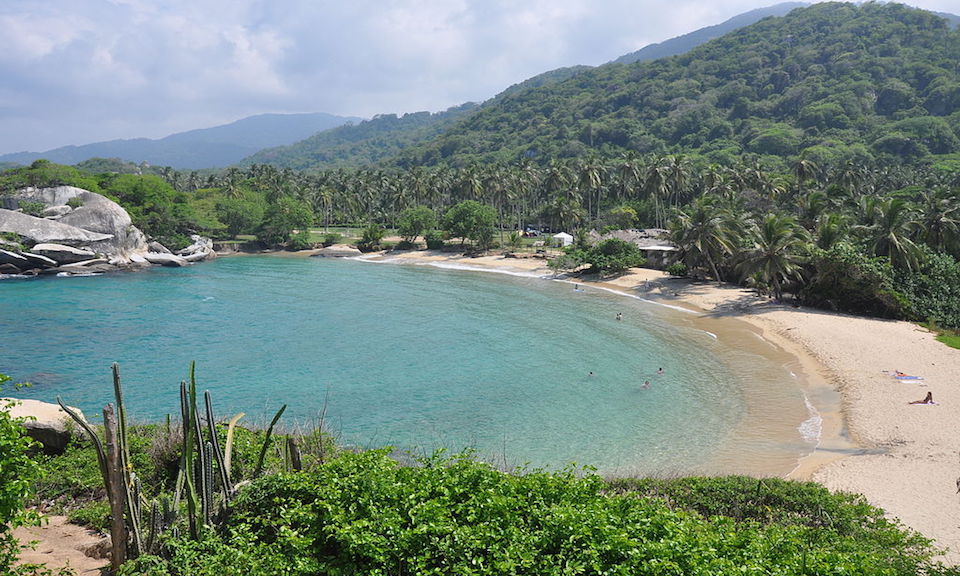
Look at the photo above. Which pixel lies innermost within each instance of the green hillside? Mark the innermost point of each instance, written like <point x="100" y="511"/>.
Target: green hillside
<point x="832" y="82"/>
<point x="355" y="145"/>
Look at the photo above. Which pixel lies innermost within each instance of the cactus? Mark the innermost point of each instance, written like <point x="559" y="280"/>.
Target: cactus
<point x="266" y="442"/>
<point x="221" y="459"/>
<point x="195" y="478"/>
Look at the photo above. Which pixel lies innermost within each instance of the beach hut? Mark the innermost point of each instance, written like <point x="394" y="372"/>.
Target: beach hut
<point x="563" y="239"/>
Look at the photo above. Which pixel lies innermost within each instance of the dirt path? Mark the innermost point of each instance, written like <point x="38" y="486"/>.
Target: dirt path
<point x="60" y="544"/>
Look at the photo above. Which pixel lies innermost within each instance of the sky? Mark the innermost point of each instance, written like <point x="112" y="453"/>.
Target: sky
<point x="83" y="71"/>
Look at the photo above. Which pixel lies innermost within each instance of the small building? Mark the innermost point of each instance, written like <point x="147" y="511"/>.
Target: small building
<point x="563" y="239"/>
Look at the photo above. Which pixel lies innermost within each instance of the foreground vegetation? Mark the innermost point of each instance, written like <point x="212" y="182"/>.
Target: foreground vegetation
<point x="300" y="506"/>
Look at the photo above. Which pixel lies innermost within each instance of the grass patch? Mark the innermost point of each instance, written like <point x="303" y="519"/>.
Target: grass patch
<point x="951" y="339"/>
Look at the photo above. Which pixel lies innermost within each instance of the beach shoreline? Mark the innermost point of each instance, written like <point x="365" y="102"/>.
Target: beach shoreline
<point x="901" y="457"/>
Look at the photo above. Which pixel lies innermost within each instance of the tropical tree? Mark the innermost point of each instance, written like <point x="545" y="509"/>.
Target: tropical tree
<point x="778" y="247"/>
<point x="891" y="230"/>
<point x="939" y="219"/>
<point x="471" y="220"/>
<point x="705" y="234"/>
<point x="415" y="221"/>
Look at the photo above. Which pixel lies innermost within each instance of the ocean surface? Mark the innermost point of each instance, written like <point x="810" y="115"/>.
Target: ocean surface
<point x="525" y="371"/>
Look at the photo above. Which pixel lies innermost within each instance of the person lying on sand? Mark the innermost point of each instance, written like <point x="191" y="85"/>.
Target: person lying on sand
<point x="928" y="399"/>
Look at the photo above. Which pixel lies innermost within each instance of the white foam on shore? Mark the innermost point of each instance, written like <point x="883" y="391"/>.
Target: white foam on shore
<point x="811" y="428"/>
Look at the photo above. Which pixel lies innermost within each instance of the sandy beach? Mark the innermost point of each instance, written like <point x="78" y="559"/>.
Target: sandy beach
<point x="901" y="457"/>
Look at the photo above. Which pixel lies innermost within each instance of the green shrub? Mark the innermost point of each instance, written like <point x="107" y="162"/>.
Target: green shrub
<point x="32" y="208"/>
<point x="372" y="236"/>
<point x="18" y="473"/>
<point x="435" y="240"/>
<point x="363" y="513"/>
<point x="300" y="241"/>
<point x="677" y="269"/>
<point x="75" y="202"/>
<point x="331" y="238"/>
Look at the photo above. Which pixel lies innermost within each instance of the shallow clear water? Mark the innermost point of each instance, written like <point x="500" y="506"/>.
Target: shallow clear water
<point x="415" y="357"/>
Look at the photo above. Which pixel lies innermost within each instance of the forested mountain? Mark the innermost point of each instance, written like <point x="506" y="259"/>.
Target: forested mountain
<point x="360" y="144"/>
<point x="831" y="82"/>
<point x="687" y="42"/>
<point x="214" y="147"/>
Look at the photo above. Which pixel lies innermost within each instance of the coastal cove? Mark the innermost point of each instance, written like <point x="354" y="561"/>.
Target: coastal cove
<point x="422" y="358"/>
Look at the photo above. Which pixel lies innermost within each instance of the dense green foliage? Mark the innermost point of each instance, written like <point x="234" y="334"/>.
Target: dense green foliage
<point x="832" y="82"/>
<point x="366" y="143"/>
<point x="610" y="256"/>
<point x="471" y="220"/>
<point x="18" y="473"/>
<point x="365" y="514"/>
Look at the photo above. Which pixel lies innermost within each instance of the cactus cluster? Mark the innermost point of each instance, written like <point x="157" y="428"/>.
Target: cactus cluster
<point x="206" y="492"/>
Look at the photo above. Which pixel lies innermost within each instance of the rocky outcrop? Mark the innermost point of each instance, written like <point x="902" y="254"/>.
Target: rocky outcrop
<point x="81" y="232"/>
<point x="46" y="423"/>
<point x="62" y="253"/>
<point x="338" y="251"/>
<point x="201" y="249"/>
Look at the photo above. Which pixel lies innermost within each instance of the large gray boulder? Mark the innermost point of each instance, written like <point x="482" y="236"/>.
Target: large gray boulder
<point x="46" y="423"/>
<point x="62" y="253"/>
<point x="81" y="228"/>
<point x="165" y="259"/>
<point x="43" y="230"/>
<point x="94" y="213"/>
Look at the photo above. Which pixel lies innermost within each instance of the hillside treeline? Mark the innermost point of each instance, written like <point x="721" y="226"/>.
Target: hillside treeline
<point x="882" y="241"/>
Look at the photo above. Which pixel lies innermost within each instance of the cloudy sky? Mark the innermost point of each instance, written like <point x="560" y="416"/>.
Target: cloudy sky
<point x="81" y="71"/>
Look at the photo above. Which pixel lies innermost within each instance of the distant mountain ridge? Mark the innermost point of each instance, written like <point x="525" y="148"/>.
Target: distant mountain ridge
<point x="214" y="147"/>
<point x="687" y="42"/>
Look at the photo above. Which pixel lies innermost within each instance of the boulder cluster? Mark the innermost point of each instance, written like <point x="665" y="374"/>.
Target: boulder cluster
<point x="74" y="231"/>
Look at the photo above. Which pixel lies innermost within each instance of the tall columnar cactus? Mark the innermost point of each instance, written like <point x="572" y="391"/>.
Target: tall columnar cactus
<point x="196" y="479"/>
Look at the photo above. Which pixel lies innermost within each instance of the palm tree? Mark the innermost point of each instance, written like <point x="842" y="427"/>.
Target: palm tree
<point x="890" y="230"/>
<point x="779" y="246"/>
<point x="940" y="220"/>
<point x="705" y="233"/>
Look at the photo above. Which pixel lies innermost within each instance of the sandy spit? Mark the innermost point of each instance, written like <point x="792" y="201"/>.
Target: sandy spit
<point x="901" y="457"/>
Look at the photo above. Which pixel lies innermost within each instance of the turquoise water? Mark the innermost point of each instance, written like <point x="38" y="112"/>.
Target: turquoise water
<point x="412" y="356"/>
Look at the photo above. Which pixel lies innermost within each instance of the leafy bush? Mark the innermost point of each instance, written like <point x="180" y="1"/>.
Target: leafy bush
<point x="75" y="202"/>
<point x="933" y="292"/>
<point x="17" y="476"/>
<point x="435" y="240"/>
<point x="300" y="241"/>
<point x="371" y="239"/>
<point x="331" y="238"/>
<point x="32" y="208"/>
<point x="677" y="269"/>
<point x="363" y="513"/>
<point x="843" y="278"/>
<point x="611" y="256"/>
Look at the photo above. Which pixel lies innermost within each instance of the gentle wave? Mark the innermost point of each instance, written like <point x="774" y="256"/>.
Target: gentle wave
<point x="811" y="428"/>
